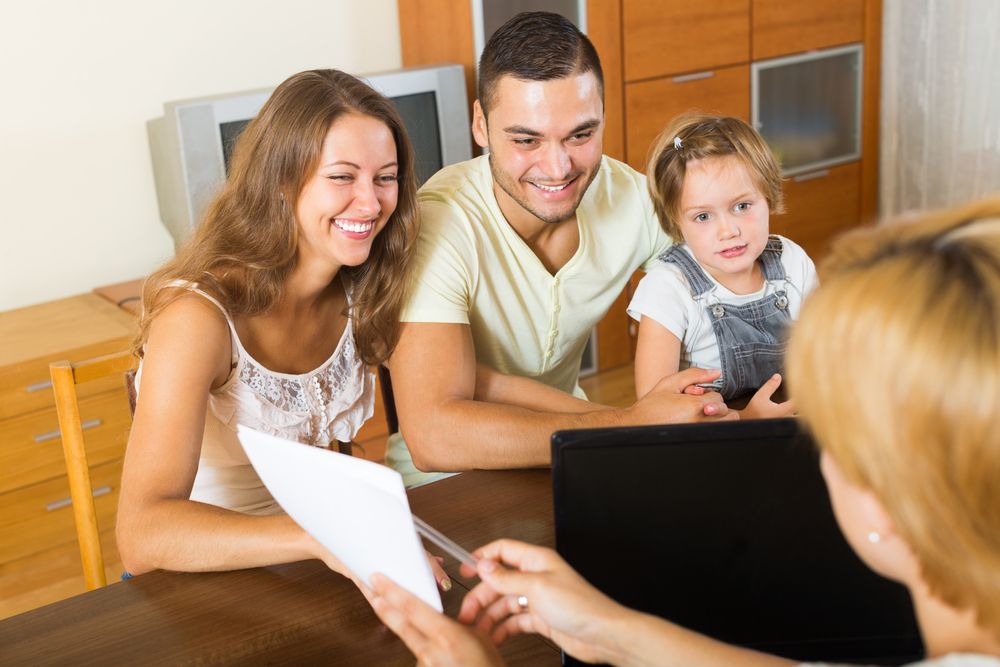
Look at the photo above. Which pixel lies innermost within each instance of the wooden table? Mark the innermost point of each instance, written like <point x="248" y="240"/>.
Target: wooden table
<point x="294" y="614"/>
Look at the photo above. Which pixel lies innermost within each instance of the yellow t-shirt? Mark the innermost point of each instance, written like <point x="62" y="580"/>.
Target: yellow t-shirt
<point x="472" y="268"/>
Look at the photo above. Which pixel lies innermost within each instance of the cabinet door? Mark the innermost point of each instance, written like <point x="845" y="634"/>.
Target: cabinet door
<point x="819" y="206"/>
<point x="649" y="105"/>
<point x="674" y="36"/>
<point x="781" y="27"/>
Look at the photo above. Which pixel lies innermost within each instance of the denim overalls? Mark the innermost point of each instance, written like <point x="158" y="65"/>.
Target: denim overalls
<point x="751" y="336"/>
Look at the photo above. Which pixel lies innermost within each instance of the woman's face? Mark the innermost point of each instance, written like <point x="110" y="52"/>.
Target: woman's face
<point x="349" y="198"/>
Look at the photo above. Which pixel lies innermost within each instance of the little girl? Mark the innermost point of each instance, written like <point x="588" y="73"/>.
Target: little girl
<point x="727" y="290"/>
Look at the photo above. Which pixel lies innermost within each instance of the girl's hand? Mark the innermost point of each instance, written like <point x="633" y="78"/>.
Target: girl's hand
<point x="433" y="638"/>
<point x="762" y="407"/>
<point x="437" y="567"/>
<point x="544" y="595"/>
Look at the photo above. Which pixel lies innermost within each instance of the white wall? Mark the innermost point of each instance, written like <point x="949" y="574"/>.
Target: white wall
<point x="79" y="80"/>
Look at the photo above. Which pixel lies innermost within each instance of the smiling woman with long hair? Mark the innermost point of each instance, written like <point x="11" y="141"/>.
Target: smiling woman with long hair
<point x="271" y="316"/>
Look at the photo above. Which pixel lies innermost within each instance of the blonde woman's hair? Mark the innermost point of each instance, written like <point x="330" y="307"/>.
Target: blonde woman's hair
<point x="245" y="247"/>
<point x="696" y="136"/>
<point x="894" y="365"/>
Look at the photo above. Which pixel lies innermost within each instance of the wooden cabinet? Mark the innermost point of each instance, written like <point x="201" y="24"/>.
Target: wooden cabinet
<point x="39" y="558"/>
<point x="650" y="104"/>
<point x="665" y="37"/>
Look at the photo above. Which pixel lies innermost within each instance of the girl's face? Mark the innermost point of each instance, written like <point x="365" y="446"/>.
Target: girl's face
<point x="724" y="221"/>
<point x="349" y="198"/>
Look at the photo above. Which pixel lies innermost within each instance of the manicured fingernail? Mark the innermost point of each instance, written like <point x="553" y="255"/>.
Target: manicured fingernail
<point x="446" y="584"/>
<point x="487" y="565"/>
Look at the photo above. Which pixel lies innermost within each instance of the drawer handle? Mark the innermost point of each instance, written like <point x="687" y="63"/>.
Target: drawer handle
<point x="812" y="175"/>
<point x="52" y="435"/>
<point x="66" y="502"/>
<point x="684" y="78"/>
<point x="38" y="386"/>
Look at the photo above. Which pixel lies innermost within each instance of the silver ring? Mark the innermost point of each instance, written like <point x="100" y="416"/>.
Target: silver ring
<point x="522" y="602"/>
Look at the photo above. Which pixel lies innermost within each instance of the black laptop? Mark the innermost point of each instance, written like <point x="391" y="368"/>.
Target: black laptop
<point x="726" y="529"/>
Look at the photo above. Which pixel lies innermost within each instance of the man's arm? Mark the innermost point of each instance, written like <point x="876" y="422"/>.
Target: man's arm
<point x="434" y="382"/>
<point x="492" y="386"/>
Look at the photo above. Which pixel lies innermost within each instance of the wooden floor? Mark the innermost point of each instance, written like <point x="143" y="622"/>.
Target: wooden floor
<point x="40" y="587"/>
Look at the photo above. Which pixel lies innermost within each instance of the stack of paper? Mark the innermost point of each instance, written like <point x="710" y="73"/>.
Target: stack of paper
<point x="355" y="508"/>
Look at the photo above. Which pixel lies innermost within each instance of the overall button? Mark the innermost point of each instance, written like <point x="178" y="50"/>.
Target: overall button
<point x="781" y="302"/>
<point x="718" y="311"/>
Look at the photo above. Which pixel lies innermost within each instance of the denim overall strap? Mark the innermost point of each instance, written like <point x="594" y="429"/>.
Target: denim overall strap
<point x="770" y="259"/>
<point x="699" y="282"/>
<point x="751" y="336"/>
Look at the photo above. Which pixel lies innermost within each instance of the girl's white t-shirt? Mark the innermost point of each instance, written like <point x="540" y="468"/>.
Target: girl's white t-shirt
<point x="664" y="296"/>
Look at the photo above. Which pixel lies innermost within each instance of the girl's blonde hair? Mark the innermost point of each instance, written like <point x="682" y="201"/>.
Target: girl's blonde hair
<point x="245" y="247"/>
<point x="696" y="136"/>
<point x="895" y="367"/>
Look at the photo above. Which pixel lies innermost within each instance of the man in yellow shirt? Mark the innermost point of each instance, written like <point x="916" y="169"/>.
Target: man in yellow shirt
<point x="521" y="252"/>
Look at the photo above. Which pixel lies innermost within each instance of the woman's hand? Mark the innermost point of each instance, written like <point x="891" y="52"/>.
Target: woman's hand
<point x="762" y="407"/>
<point x="314" y="547"/>
<point x="433" y="638"/>
<point x="544" y="595"/>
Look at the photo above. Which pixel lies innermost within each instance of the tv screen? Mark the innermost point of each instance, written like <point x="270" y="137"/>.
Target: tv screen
<point x="419" y="114"/>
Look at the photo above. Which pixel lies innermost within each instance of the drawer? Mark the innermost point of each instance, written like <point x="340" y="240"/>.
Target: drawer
<point x="27" y="388"/>
<point x="40" y="516"/>
<point x="820" y="205"/>
<point x="31" y="450"/>
<point x="666" y="37"/>
<point x="75" y="328"/>
<point x="650" y="105"/>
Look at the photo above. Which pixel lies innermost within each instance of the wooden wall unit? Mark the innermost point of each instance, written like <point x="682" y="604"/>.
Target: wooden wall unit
<point x="39" y="558"/>
<point x="662" y="57"/>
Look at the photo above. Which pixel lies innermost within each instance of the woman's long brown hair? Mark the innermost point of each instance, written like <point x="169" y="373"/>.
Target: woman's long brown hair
<point x="245" y="246"/>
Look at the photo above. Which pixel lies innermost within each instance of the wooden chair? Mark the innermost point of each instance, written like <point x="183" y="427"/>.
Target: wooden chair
<point x="65" y="377"/>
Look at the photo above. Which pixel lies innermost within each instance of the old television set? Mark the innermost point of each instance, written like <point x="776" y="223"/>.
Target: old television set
<point x="808" y="107"/>
<point x="191" y="143"/>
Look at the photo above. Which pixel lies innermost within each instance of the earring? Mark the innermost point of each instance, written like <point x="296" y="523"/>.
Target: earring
<point x="874" y="537"/>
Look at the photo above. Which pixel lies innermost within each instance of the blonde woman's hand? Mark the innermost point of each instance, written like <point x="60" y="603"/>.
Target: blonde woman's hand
<point x="433" y="638"/>
<point x="541" y="594"/>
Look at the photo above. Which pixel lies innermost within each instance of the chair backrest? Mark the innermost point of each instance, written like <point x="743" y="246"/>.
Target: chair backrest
<point x="388" y="399"/>
<point x="65" y="377"/>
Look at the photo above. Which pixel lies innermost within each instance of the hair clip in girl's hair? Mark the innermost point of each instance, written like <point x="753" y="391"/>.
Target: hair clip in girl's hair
<point x="678" y="144"/>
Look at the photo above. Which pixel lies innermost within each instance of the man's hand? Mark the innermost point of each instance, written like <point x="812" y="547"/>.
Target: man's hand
<point x="677" y="398"/>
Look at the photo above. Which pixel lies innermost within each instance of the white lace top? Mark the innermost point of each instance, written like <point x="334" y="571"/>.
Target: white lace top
<point x="318" y="408"/>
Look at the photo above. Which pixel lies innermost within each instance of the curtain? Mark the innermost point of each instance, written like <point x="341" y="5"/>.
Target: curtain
<point x="940" y="131"/>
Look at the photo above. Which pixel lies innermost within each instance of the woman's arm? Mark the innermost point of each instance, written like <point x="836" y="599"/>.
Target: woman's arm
<point x="188" y="353"/>
<point x="657" y="355"/>
<point x="562" y="606"/>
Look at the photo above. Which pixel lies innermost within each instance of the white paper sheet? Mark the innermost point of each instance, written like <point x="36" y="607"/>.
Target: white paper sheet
<point x="355" y="508"/>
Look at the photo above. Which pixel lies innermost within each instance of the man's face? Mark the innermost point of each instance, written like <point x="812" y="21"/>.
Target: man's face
<point x="545" y="140"/>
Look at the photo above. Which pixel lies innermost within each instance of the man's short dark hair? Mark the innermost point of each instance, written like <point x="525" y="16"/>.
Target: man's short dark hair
<point x="535" y="46"/>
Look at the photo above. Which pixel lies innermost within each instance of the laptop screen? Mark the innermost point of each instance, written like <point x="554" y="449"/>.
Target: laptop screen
<point x="726" y="529"/>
